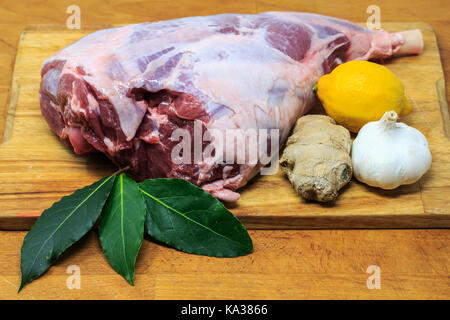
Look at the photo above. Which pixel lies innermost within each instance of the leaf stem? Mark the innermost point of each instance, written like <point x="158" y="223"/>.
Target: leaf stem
<point x="120" y="171"/>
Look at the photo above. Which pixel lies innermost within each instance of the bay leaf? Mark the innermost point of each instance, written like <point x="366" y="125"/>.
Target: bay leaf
<point x="121" y="228"/>
<point x="188" y="218"/>
<point x="61" y="225"/>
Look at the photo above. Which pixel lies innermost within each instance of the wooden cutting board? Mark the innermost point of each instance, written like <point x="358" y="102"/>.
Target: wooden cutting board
<point x="36" y="169"/>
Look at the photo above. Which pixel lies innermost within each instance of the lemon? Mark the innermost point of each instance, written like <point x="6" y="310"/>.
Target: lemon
<point x="358" y="92"/>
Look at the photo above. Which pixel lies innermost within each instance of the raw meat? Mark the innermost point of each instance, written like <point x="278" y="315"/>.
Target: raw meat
<point x="124" y="91"/>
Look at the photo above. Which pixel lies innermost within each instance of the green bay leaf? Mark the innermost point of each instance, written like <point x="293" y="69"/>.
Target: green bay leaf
<point x="121" y="227"/>
<point x="61" y="225"/>
<point x="188" y="218"/>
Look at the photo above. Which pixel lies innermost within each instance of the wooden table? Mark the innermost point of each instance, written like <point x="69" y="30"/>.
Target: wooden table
<point x="314" y="264"/>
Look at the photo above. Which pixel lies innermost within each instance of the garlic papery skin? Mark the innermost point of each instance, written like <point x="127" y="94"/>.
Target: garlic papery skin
<point x="387" y="153"/>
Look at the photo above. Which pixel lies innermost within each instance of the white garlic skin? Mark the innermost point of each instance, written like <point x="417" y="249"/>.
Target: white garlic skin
<point x="387" y="154"/>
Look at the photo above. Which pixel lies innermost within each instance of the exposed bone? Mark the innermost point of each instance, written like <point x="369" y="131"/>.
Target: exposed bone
<point x="410" y="42"/>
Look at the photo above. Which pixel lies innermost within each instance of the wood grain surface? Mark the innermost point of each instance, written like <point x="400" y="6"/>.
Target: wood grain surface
<point x="286" y="264"/>
<point x="37" y="169"/>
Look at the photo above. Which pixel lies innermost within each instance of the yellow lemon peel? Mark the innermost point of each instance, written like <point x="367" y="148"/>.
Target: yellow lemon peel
<point x="358" y="92"/>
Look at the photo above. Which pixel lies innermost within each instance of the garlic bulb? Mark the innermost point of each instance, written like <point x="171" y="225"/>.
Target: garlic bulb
<point x="388" y="154"/>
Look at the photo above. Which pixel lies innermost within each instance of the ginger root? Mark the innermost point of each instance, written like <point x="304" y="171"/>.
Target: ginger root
<point x="316" y="158"/>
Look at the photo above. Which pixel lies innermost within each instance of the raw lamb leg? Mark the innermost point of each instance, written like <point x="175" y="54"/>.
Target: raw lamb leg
<point x="124" y="91"/>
